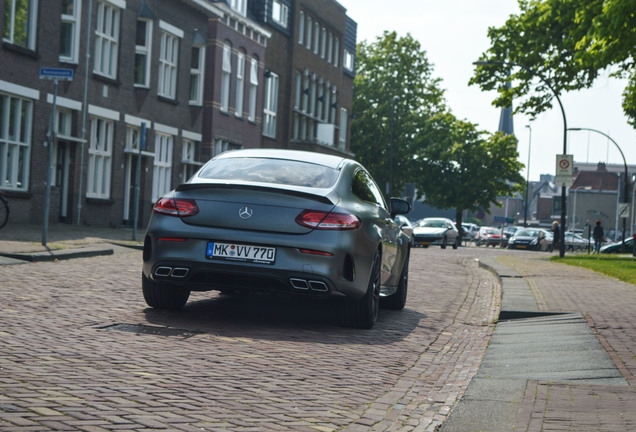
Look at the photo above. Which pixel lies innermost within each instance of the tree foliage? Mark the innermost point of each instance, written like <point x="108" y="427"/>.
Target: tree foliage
<point x="391" y="67"/>
<point x="463" y="168"/>
<point x="566" y="42"/>
<point x="451" y="163"/>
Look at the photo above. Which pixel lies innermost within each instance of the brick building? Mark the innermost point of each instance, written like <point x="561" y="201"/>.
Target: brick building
<point x="192" y="73"/>
<point x="310" y="66"/>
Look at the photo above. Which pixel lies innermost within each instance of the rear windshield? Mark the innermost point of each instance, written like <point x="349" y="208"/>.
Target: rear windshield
<point x="277" y="171"/>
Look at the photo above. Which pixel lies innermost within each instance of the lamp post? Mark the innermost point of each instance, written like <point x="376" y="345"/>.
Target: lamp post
<point x="626" y="187"/>
<point x="565" y="135"/>
<point x="525" y="208"/>
<point x="390" y="188"/>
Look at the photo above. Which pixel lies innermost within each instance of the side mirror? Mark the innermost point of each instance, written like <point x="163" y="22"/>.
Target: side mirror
<point x="399" y="206"/>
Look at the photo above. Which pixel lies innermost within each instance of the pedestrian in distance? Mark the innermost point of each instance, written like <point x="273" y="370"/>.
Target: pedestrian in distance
<point x="556" y="235"/>
<point x="598" y="234"/>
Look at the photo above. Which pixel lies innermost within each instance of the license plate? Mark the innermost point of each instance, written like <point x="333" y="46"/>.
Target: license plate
<point x="241" y="252"/>
<point x="521" y="246"/>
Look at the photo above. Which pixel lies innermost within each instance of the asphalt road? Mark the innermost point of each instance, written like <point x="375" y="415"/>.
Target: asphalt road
<point x="79" y="350"/>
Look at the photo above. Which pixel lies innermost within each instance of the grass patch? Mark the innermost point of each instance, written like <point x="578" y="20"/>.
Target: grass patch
<point x="621" y="267"/>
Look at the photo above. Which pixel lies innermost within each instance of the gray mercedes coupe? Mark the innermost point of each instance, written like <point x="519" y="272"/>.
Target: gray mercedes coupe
<point x="283" y="221"/>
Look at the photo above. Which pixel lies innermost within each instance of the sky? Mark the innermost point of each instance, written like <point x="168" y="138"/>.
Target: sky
<point x="454" y="33"/>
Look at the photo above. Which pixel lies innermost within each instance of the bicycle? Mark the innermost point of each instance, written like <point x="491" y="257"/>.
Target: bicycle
<point x="4" y="210"/>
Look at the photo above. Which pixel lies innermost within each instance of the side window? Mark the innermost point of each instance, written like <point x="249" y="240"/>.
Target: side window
<point x="365" y="189"/>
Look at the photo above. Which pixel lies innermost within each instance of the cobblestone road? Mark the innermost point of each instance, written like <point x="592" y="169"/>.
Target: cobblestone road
<point x="79" y="351"/>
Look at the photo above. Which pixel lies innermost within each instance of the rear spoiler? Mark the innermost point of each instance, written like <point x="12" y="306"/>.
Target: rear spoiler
<point x="331" y="198"/>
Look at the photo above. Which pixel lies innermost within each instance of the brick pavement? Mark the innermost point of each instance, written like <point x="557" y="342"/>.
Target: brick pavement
<point x="608" y="306"/>
<point x="79" y="351"/>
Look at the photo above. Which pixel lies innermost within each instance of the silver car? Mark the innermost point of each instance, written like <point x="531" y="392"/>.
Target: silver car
<point x="279" y="221"/>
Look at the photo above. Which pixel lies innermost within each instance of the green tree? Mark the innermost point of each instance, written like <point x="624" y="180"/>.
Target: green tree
<point x="463" y="168"/>
<point x="391" y="67"/>
<point x="569" y="43"/>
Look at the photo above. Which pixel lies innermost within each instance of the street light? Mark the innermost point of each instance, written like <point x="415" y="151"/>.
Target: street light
<point x="626" y="190"/>
<point x="525" y="211"/>
<point x="389" y="192"/>
<point x="565" y="134"/>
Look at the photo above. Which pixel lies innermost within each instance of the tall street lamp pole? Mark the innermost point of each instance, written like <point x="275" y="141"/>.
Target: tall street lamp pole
<point x="626" y="179"/>
<point x="390" y="191"/>
<point x="525" y="208"/>
<point x="565" y="135"/>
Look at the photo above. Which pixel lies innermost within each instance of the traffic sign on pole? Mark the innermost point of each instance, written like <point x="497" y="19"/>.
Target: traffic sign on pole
<point x="56" y="73"/>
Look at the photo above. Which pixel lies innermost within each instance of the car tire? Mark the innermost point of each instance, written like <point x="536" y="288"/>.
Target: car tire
<point x="161" y="296"/>
<point x="397" y="301"/>
<point x="444" y="241"/>
<point x="456" y="244"/>
<point x="363" y="313"/>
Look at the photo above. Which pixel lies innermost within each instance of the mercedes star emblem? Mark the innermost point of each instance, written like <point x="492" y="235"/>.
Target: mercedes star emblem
<point x="245" y="212"/>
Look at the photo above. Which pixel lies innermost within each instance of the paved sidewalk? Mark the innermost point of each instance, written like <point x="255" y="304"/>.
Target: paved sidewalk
<point x="23" y="242"/>
<point x="562" y="357"/>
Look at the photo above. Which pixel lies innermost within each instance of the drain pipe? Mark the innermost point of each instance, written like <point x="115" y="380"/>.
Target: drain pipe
<point x="84" y="111"/>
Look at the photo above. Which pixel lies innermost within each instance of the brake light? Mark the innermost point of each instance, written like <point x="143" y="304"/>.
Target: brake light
<point x="176" y="207"/>
<point x="327" y="221"/>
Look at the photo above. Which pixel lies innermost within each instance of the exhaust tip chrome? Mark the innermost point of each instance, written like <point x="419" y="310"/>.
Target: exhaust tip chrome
<point x="300" y="284"/>
<point x="179" y="272"/>
<point x="163" y="271"/>
<point x="318" y="286"/>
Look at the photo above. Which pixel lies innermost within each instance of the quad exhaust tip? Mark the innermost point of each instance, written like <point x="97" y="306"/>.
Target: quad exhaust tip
<point x="171" y="272"/>
<point x="306" y="285"/>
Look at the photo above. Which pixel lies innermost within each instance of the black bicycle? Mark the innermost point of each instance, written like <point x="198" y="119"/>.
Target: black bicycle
<point x="4" y="210"/>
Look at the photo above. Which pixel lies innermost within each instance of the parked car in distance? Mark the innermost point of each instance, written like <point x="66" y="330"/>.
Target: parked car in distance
<point x="405" y="224"/>
<point x="279" y="221"/>
<point x="436" y="231"/>
<point x="536" y="239"/>
<point x="488" y="236"/>
<point x="471" y="230"/>
<point x="617" y="247"/>
<point x="576" y="242"/>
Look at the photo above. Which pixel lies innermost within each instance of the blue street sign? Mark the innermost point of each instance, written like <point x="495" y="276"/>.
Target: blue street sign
<point x="56" y="73"/>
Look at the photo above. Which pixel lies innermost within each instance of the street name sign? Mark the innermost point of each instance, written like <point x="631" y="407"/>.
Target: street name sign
<point x="56" y="74"/>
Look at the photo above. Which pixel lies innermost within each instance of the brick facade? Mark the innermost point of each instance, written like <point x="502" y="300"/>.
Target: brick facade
<point x="99" y="114"/>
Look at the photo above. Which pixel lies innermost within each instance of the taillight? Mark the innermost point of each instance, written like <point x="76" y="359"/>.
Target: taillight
<point x="327" y="221"/>
<point x="176" y="207"/>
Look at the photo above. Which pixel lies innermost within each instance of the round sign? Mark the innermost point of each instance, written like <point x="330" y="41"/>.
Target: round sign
<point x="564" y="164"/>
<point x="481" y="214"/>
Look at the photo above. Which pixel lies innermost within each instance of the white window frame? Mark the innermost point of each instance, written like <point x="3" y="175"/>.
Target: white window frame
<point x="189" y="158"/>
<point x="336" y="52"/>
<point x="301" y="28"/>
<point x="9" y="32"/>
<point x="323" y="43"/>
<point x="330" y="49"/>
<point x="239" y="6"/>
<point x="107" y="39"/>
<point x="342" y="136"/>
<point x="16" y="119"/>
<point x="310" y="30"/>
<point x="253" y="89"/>
<point x="240" y="83"/>
<point x="226" y="77"/>
<point x="162" y="170"/>
<point x="270" y="107"/>
<point x="168" y="63"/>
<point x="348" y="60"/>
<point x="316" y="38"/>
<point x="100" y="156"/>
<point x="196" y="76"/>
<point x="280" y="13"/>
<point x="73" y="20"/>
<point x="145" y="52"/>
